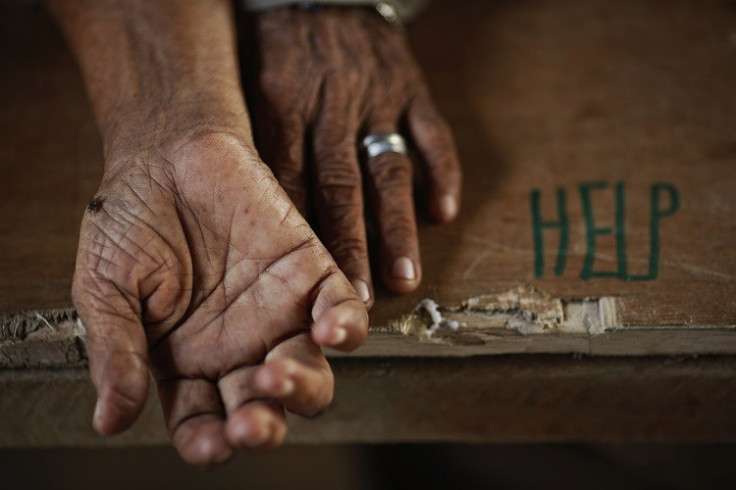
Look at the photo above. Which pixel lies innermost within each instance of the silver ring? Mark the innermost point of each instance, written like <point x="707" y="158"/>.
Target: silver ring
<point x="378" y="143"/>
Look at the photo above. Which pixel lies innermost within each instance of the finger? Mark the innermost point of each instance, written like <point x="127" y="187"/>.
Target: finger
<point x="339" y="189"/>
<point x="393" y="205"/>
<point x="340" y="318"/>
<point x="282" y="100"/>
<point x="437" y="147"/>
<point x="297" y="374"/>
<point x="257" y="424"/>
<point x="117" y="352"/>
<point x="251" y="421"/>
<point x="283" y="151"/>
<point x="195" y="419"/>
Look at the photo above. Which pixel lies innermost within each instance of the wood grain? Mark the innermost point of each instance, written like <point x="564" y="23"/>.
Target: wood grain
<point x="501" y="399"/>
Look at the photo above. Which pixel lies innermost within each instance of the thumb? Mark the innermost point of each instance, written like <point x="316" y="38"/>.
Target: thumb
<point x="117" y="352"/>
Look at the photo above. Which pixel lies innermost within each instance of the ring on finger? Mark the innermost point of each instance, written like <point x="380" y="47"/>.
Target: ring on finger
<point x="378" y="143"/>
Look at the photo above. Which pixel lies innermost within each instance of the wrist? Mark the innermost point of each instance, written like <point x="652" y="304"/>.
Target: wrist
<point x="161" y="124"/>
<point x="157" y="71"/>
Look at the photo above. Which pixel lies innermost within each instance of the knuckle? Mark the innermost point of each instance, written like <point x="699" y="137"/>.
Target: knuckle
<point x="340" y="184"/>
<point x="344" y="213"/>
<point x="335" y="155"/>
<point x="341" y="201"/>
<point x="333" y="136"/>
<point x="125" y="383"/>
<point x="339" y="176"/>
<point x="349" y="249"/>
<point x="392" y="74"/>
<point x="398" y="226"/>
<point x="444" y="170"/>
<point x="352" y="76"/>
<point x="121" y="398"/>
<point x="390" y="170"/>
<point x="335" y="117"/>
<point x="399" y="229"/>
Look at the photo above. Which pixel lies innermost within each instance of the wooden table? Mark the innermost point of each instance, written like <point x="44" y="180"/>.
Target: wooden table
<point x="591" y="274"/>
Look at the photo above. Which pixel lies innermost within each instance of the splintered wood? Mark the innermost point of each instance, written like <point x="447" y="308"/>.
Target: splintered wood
<point x="524" y="309"/>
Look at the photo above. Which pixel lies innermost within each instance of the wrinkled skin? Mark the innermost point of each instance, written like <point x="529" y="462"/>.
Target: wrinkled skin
<point x="194" y="265"/>
<point x="335" y="75"/>
<point x="198" y="266"/>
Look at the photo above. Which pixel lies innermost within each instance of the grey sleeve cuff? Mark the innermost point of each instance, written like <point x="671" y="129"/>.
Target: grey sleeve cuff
<point x="406" y="9"/>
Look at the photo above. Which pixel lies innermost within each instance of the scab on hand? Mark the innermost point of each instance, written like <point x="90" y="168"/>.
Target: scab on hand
<point x="95" y="204"/>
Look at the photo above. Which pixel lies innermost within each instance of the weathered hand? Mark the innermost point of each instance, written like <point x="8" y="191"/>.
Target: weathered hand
<point x="333" y="76"/>
<point x="197" y="266"/>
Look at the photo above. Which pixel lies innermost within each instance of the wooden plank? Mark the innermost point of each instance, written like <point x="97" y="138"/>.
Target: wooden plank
<point x="501" y="399"/>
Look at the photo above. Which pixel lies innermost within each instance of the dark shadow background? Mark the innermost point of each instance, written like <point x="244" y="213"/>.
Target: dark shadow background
<point x="384" y="467"/>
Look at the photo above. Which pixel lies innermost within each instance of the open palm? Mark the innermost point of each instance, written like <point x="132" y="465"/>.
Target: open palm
<point x="198" y="267"/>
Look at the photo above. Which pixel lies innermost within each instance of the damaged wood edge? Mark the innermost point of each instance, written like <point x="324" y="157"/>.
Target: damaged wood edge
<point x="523" y="320"/>
<point x="527" y="320"/>
<point x="43" y="339"/>
<point x="18" y="326"/>
<point x="525" y="309"/>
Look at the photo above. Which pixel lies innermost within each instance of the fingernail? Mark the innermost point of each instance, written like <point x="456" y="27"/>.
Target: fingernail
<point x="361" y="288"/>
<point x="448" y="206"/>
<point x="339" y="335"/>
<point x="403" y="268"/>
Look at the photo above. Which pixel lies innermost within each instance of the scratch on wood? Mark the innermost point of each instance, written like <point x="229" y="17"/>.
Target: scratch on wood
<point x="477" y="260"/>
